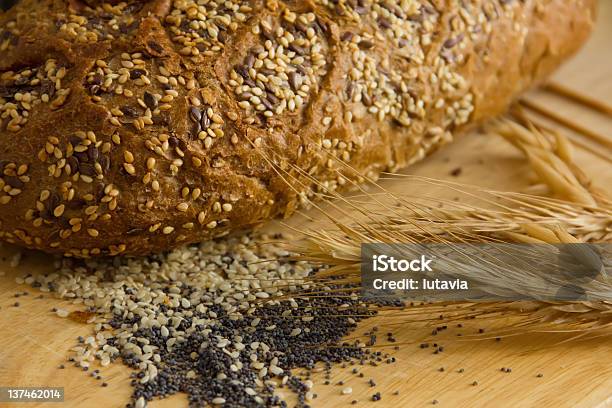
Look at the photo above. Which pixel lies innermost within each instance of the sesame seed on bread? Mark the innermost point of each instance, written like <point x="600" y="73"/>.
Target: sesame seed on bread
<point x="133" y="127"/>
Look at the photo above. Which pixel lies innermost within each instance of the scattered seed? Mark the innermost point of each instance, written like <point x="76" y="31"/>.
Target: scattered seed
<point x="224" y="323"/>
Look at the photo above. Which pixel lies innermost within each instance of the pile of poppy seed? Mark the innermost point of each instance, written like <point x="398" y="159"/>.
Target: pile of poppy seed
<point x="223" y="322"/>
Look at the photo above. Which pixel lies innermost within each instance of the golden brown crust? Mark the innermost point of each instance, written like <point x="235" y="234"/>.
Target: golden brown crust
<point x="135" y="127"/>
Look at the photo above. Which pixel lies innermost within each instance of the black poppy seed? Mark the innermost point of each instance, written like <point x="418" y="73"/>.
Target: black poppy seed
<point x="194" y="365"/>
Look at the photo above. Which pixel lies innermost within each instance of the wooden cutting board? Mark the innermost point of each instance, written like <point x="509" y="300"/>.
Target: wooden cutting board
<point x="34" y="342"/>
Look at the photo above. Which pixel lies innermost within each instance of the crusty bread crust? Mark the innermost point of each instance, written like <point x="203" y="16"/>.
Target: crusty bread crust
<point x="136" y="127"/>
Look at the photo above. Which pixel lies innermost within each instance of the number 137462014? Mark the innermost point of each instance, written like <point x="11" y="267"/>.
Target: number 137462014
<point x="31" y="394"/>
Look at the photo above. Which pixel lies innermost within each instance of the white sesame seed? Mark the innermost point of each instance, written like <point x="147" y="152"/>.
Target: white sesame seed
<point x="140" y="403"/>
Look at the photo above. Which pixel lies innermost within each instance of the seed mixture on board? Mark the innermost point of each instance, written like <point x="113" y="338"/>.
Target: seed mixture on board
<point x="224" y="321"/>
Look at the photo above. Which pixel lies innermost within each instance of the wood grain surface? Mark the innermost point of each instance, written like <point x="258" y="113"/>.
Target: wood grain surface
<point x="34" y="342"/>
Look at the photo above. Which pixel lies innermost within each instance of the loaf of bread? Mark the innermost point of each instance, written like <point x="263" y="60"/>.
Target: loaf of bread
<point x="132" y="127"/>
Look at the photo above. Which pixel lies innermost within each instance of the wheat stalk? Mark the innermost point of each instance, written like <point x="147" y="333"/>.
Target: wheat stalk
<point x="581" y="213"/>
<point x="580" y="319"/>
<point x="551" y="156"/>
<point x="602" y="140"/>
<point x="579" y="98"/>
